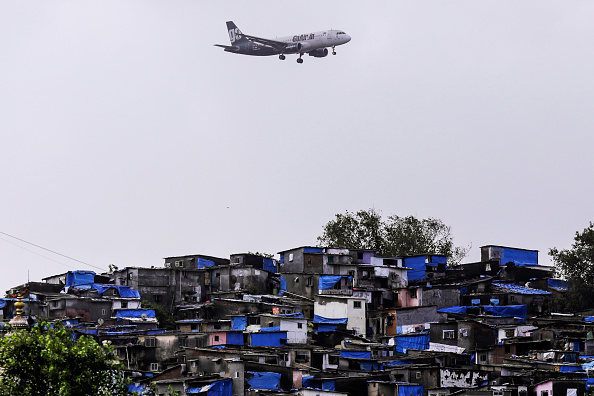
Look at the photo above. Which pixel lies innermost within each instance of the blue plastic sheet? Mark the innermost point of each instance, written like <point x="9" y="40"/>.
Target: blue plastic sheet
<point x="269" y="265"/>
<point x="283" y="285"/>
<point x="238" y="323"/>
<point x="202" y="263"/>
<point x="264" y="380"/>
<point x="135" y="313"/>
<point x="219" y="388"/>
<point x="557" y="284"/>
<point x="138" y="388"/>
<point x="403" y="343"/>
<point x="418" y="267"/>
<point x="274" y="328"/>
<point x="326" y="327"/>
<point x="568" y="369"/>
<point x="268" y="339"/>
<point x="321" y="319"/>
<point x="234" y="338"/>
<point x="459" y="309"/>
<point x="313" y="250"/>
<point x="328" y="281"/>
<point x="410" y="390"/>
<point x="123" y="291"/>
<point x="356" y="354"/>
<point x="371" y="366"/>
<point x="79" y="277"/>
<point x="322" y="384"/>
<point x="398" y="362"/>
<point x="519" y="311"/>
<point x="518" y="256"/>
<point x="519" y="289"/>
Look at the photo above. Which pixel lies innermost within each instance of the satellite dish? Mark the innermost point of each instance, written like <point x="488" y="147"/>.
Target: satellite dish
<point x="100" y="321"/>
<point x="144" y="316"/>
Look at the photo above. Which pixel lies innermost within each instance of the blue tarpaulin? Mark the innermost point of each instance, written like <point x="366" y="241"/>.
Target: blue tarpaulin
<point x="219" y="388"/>
<point x="238" y="323"/>
<point x="371" y="366"/>
<point x="264" y="380"/>
<point x="201" y="263"/>
<point x="321" y="319"/>
<point x="79" y="277"/>
<point x="516" y="256"/>
<point x="123" y="291"/>
<point x="326" y="327"/>
<point x="313" y="250"/>
<point x="292" y="315"/>
<point x="268" y="339"/>
<point x="328" y="281"/>
<point x="557" y="284"/>
<point x="568" y="369"/>
<point x="234" y="338"/>
<point x="269" y="265"/>
<point x="283" y="285"/>
<point x="322" y="384"/>
<point x="273" y="328"/>
<point x="398" y="362"/>
<point x="356" y="354"/>
<point x="516" y="311"/>
<point x="138" y="388"/>
<point x="135" y="313"/>
<point x="519" y="311"/>
<point x="410" y="390"/>
<point x="403" y="343"/>
<point x="519" y="289"/>
<point x="418" y="267"/>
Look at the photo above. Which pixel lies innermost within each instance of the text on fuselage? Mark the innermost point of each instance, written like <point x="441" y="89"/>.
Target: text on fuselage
<point x="302" y="37"/>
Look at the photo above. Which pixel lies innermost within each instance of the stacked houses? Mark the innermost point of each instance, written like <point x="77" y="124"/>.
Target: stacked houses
<point x="329" y="321"/>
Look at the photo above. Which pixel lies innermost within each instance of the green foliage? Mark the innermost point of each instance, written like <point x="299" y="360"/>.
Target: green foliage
<point x="395" y="237"/>
<point x="48" y="360"/>
<point x="165" y="318"/>
<point x="576" y="265"/>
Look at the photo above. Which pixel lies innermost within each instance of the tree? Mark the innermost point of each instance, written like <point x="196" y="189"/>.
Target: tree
<point x="576" y="266"/>
<point x="395" y="237"/>
<point x="48" y="360"/>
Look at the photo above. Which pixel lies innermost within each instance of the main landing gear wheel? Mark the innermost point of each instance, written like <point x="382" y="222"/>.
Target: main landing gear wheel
<point x="299" y="60"/>
<point x="281" y="57"/>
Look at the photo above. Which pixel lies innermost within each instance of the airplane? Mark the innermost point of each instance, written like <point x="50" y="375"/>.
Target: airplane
<point x="314" y="44"/>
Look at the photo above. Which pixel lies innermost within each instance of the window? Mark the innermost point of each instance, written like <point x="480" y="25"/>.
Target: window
<point x="359" y="255"/>
<point x="290" y="256"/>
<point x="217" y="326"/>
<point x="124" y="304"/>
<point x="544" y="393"/>
<point x="413" y="293"/>
<point x="157" y="297"/>
<point x="330" y="259"/>
<point x="507" y="349"/>
<point x="216" y="338"/>
<point x="449" y="334"/>
<point x="103" y="312"/>
<point x="463" y="332"/>
<point x="513" y="299"/>
<point x="365" y="275"/>
<point x="483" y="357"/>
<point x="237" y="374"/>
<point x="509" y="333"/>
<point x="308" y="261"/>
<point x="299" y="325"/>
<point x="418" y="375"/>
<point x="154" y="366"/>
<point x="487" y="267"/>
<point x="357" y="304"/>
<point x="218" y="275"/>
<point x="183" y="342"/>
<point x="309" y="281"/>
<point x="150" y="342"/>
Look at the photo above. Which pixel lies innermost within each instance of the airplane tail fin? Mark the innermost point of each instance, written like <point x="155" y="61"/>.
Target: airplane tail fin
<point x="235" y="34"/>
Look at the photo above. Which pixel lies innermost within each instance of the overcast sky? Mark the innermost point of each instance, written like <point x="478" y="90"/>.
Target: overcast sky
<point x="128" y="137"/>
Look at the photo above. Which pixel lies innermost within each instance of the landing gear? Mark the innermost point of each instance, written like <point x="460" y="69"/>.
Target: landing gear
<point x="333" y="51"/>
<point x="281" y="57"/>
<point x="299" y="60"/>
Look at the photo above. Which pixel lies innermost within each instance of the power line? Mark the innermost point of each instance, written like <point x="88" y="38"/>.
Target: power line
<point x="40" y="255"/>
<point x="51" y="251"/>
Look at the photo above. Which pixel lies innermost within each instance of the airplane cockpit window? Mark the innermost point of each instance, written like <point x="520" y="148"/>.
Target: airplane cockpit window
<point x="341" y="33"/>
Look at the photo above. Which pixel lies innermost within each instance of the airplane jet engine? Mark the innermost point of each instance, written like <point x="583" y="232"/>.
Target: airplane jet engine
<point x="303" y="47"/>
<point x="319" y="53"/>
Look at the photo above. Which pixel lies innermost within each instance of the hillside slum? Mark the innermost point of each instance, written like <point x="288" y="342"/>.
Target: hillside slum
<point x="329" y="322"/>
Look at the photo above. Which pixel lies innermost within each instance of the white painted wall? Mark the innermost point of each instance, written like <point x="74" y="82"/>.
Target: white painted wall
<point x="295" y="335"/>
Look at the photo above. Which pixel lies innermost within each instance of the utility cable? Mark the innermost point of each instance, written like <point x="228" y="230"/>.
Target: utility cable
<point x="51" y="251"/>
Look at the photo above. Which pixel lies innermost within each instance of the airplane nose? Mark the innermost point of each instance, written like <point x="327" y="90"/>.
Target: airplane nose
<point x="347" y="38"/>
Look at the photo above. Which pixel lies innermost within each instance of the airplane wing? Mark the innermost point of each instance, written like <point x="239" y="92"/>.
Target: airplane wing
<point x="279" y="45"/>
